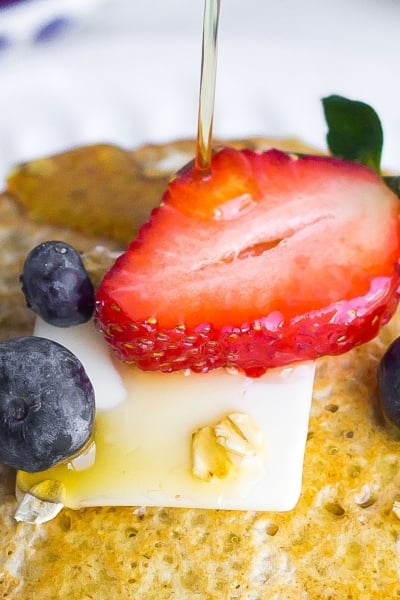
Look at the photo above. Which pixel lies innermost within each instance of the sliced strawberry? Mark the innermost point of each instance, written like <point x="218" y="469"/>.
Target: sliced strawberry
<point x="272" y="259"/>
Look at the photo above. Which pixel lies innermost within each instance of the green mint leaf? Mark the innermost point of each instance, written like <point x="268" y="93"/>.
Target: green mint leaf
<point x="354" y="131"/>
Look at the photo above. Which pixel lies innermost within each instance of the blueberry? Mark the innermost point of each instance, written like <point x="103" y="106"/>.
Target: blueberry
<point x="389" y="383"/>
<point x="47" y="404"/>
<point x="56" y="285"/>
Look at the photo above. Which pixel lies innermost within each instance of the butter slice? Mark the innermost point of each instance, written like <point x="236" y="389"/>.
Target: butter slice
<point x="141" y="451"/>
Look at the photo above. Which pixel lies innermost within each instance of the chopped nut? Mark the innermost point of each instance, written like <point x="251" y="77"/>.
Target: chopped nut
<point x="84" y="459"/>
<point x="209" y="459"/>
<point x="41" y="503"/>
<point x="215" y="449"/>
<point x="239" y="434"/>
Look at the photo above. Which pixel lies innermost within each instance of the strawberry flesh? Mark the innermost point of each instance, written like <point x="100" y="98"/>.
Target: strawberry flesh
<point x="269" y="260"/>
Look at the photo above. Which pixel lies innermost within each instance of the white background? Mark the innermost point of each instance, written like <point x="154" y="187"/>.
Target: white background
<point x="128" y="72"/>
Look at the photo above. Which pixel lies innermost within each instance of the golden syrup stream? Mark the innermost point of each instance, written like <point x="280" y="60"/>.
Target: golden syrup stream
<point x="207" y="87"/>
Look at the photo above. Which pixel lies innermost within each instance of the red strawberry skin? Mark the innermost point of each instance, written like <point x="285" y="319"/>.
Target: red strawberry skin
<point x="270" y="260"/>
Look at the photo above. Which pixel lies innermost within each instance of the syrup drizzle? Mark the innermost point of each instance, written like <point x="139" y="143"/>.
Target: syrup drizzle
<point x="207" y="87"/>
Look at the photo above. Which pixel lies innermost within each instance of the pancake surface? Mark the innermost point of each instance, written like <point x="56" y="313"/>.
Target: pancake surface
<point x="341" y="542"/>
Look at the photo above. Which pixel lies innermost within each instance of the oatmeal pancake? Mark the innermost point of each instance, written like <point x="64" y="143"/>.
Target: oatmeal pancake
<point x="342" y="541"/>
